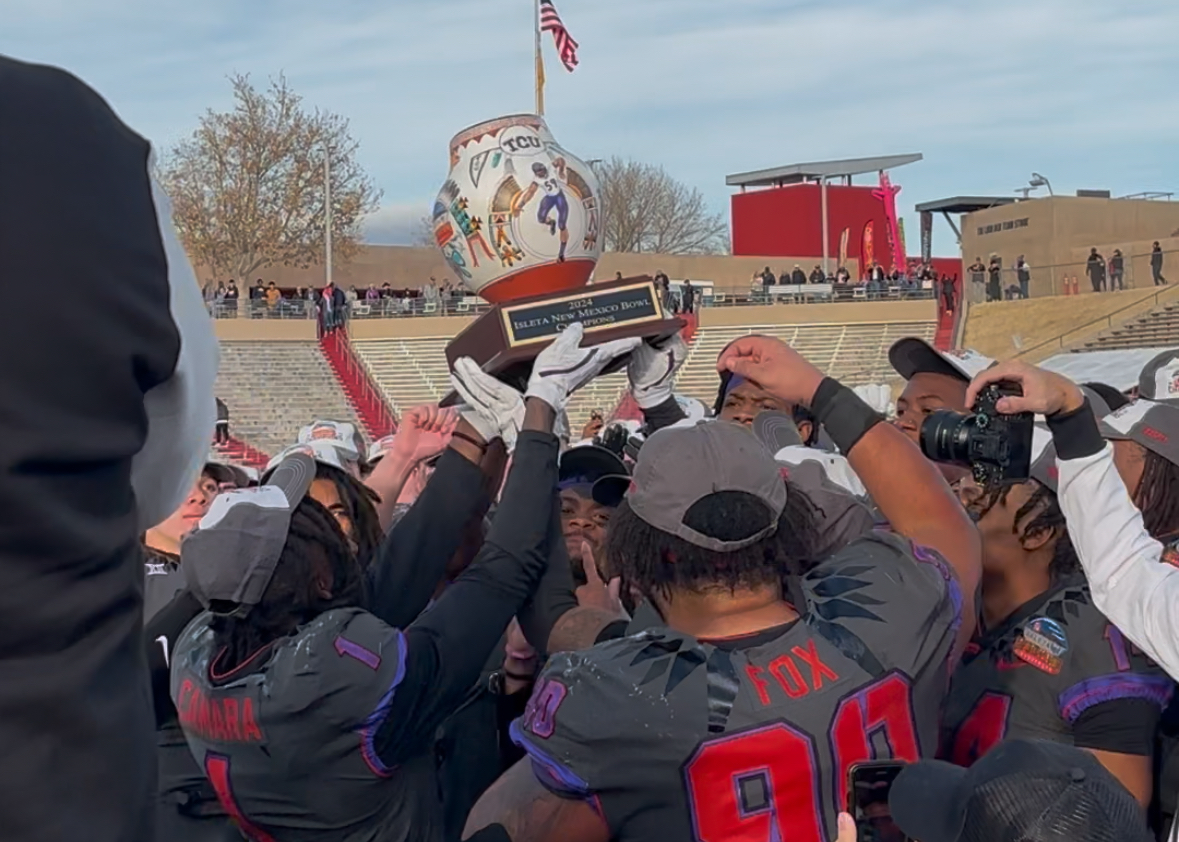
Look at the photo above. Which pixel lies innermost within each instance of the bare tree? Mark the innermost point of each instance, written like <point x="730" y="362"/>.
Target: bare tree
<point x="646" y="210"/>
<point x="248" y="186"/>
<point x="423" y="232"/>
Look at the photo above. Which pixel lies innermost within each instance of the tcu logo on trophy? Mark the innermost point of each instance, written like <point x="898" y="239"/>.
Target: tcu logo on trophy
<point x="518" y="215"/>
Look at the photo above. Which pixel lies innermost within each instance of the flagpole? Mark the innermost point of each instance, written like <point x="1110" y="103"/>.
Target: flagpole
<point x="538" y="65"/>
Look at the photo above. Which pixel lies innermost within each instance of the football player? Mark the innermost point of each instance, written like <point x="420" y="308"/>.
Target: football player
<point x="772" y="676"/>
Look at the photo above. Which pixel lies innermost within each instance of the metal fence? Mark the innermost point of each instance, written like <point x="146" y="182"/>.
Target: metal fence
<point x="473" y="305"/>
<point x="1109" y="273"/>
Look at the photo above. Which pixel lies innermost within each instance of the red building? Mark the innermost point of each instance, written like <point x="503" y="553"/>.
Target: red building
<point x="813" y="211"/>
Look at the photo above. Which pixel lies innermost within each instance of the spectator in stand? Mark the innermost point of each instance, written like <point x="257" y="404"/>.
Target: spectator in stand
<point x="1117" y="271"/>
<point x="978" y="280"/>
<point x="231" y="296"/>
<point x="1023" y="273"/>
<point x="339" y="305"/>
<point x="689" y="297"/>
<point x="1095" y="268"/>
<point x="947" y="285"/>
<point x="764" y="282"/>
<point x="221" y="430"/>
<point x="817" y="275"/>
<point x="797" y="277"/>
<point x="995" y="279"/>
<point x="371" y="295"/>
<point x="1156" y="264"/>
<point x="386" y="290"/>
<point x="327" y="306"/>
<point x="842" y="276"/>
<point x="618" y="276"/>
<point x="352" y="295"/>
<point x="273" y="297"/>
<point x="877" y="274"/>
<point x="430" y="295"/>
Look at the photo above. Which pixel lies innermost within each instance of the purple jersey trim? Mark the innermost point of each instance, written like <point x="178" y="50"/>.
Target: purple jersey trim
<point x="927" y="555"/>
<point x="368" y="730"/>
<point x="552" y="774"/>
<point x="1107" y="688"/>
<point x="369" y="658"/>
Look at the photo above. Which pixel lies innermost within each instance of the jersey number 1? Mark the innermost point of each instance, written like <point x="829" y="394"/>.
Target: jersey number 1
<point x="764" y="783"/>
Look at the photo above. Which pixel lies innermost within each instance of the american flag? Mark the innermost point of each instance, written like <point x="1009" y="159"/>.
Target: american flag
<point x="550" y="21"/>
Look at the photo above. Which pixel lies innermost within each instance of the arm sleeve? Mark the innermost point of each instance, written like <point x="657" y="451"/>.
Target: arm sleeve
<point x="1122" y="562"/>
<point x="554" y="596"/>
<point x="1124" y="726"/>
<point x="447" y="647"/>
<point x="180" y="411"/>
<point x="160" y="636"/>
<point x="663" y="415"/>
<point x="413" y="557"/>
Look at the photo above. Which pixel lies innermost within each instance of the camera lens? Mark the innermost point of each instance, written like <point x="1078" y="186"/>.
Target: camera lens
<point x="945" y="437"/>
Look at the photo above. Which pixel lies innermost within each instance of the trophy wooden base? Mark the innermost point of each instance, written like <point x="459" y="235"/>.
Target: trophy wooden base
<point x="505" y="340"/>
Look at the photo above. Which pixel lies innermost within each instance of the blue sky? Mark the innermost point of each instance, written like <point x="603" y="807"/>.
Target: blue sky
<point x="1082" y="91"/>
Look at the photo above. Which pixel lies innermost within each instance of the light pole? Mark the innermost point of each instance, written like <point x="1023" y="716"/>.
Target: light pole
<point x="1038" y="180"/>
<point x="327" y="215"/>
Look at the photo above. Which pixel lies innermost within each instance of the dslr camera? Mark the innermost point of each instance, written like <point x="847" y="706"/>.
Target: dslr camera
<point x="997" y="448"/>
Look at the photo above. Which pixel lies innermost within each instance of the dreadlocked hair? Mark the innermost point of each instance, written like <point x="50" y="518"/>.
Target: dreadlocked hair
<point x="1157" y="496"/>
<point x="360" y="505"/>
<point x="1042" y="514"/>
<point x="315" y="545"/>
<point x="656" y="562"/>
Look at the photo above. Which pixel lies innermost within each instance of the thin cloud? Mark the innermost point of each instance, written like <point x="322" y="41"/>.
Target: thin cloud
<point x="1079" y="90"/>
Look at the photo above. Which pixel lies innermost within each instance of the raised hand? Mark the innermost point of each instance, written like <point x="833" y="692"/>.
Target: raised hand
<point x="1044" y="392"/>
<point x="652" y="370"/>
<point x="565" y="366"/>
<point x="424" y="432"/>
<point x="596" y="593"/>
<point x="774" y="366"/>
<point x="492" y="407"/>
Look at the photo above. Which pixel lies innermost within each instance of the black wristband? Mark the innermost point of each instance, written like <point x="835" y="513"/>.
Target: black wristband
<point x="844" y="414"/>
<point x="1076" y="434"/>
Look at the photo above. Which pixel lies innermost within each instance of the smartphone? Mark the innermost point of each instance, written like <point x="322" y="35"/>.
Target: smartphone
<point x="868" y="786"/>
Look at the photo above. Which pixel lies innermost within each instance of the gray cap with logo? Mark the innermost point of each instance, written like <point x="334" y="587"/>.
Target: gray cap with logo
<point x="1159" y="380"/>
<point x="230" y="558"/>
<point x="1153" y="425"/>
<point x="679" y="467"/>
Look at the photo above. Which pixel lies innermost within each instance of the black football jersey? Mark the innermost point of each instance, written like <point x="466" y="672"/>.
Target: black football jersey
<point x="1033" y="676"/>
<point x="671" y="737"/>
<point x="289" y="747"/>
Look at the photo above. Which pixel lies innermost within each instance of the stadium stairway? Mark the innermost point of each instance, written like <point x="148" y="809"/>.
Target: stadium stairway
<point x="274" y="388"/>
<point x="358" y="384"/>
<point x="1158" y="328"/>
<point x="237" y="452"/>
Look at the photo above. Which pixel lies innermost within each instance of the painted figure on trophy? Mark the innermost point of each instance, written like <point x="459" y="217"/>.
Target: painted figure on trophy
<point x="551" y="186"/>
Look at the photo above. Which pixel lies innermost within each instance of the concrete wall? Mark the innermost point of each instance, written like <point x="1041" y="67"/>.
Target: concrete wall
<point x="850" y="313"/>
<point x="265" y="330"/>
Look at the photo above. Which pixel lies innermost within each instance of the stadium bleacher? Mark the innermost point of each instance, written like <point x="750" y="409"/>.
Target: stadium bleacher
<point x="1158" y="328"/>
<point x="413" y="371"/>
<point x="274" y="388"/>
<point x="854" y="353"/>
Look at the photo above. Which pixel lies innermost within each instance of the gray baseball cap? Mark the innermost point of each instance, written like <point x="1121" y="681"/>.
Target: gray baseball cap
<point x="1044" y="470"/>
<point x="1155" y="426"/>
<point x="1159" y="380"/>
<point x="679" y="467"/>
<point x="230" y="558"/>
<point x="912" y="355"/>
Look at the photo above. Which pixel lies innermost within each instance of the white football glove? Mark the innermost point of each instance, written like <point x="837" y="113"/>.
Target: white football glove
<point x="564" y="367"/>
<point x="652" y="370"/>
<point x="492" y="407"/>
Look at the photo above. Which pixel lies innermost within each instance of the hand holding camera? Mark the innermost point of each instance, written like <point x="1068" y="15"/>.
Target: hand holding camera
<point x="1041" y="392"/>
